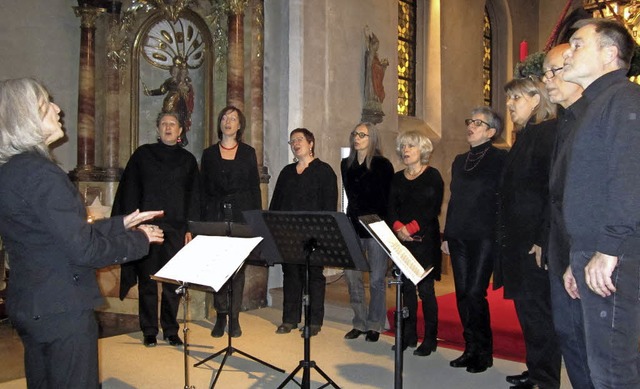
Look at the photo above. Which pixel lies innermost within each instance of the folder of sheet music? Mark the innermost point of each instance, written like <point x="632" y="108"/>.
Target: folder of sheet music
<point x="399" y="254"/>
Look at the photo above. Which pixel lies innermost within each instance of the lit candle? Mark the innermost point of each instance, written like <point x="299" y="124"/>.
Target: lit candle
<point x="524" y="50"/>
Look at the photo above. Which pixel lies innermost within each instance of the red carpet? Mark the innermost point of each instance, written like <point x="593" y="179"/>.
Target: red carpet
<point x="507" y="335"/>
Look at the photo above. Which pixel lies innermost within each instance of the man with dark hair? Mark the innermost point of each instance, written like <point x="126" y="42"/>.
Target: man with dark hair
<point x="566" y="308"/>
<point x="601" y="206"/>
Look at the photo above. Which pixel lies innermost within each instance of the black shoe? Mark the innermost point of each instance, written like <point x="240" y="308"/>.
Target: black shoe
<point x="372" y="336"/>
<point x="518" y="378"/>
<point x="313" y="330"/>
<point x="150" y="341"/>
<point x="174" y="340"/>
<point x="354" y="333"/>
<point x="236" y="332"/>
<point x="285" y="328"/>
<point x="218" y="328"/>
<point x="425" y="349"/>
<point x="525" y="385"/>
<point x="479" y="364"/>
<point x="463" y="360"/>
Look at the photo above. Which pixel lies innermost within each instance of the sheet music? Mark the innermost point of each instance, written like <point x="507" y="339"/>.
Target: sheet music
<point x="208" y="260"/>
<point x="400" y="255"/>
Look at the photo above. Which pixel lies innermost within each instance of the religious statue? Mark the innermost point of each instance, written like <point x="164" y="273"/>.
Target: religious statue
<point x="178" y="93"/>
<point x="175" y="46"/>
<point x="374" y="70"/>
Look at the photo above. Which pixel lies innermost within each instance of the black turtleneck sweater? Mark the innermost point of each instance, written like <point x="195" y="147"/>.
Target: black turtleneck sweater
<point x="475" y="177"/>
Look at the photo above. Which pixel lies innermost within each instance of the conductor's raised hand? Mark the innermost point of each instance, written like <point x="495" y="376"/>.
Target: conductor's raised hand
<point x="136" y="217"/>
<point x="153" y="233"/>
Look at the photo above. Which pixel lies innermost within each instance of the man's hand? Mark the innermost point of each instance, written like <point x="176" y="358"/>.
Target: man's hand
<point x="598" y="274"/>
<point x="570" y="284"/>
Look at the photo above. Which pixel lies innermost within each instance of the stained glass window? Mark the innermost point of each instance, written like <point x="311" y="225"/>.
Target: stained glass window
<point x="407" y="57"/>
<point x="486" y="59"/>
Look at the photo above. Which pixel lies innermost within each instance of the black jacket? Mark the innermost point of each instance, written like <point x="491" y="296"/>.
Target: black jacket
<point x="53" y="251"/>
<point x="523" y="216"/>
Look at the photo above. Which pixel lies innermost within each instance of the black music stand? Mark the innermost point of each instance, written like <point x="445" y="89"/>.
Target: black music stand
<point x="308" y="238"/>
<point x="183" y="290"/>
<point x="237" y="230"/>
<point x="401" y="312"/>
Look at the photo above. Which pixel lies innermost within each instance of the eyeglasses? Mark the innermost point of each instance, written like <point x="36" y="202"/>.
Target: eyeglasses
<point x="360" y="135"/>
<point x="296" y="140"/>
<point x="476" y="122"/>
<point x="549" y="74"/>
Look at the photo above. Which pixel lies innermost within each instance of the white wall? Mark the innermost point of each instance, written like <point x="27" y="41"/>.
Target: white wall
<point x="41" y="39"/>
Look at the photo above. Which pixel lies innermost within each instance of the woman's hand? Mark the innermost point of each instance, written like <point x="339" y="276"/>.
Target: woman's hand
<point x="136" y="217"/>
<point x="153" y="233"/>
<point x="188" y="237"/>
<point x="445" y="247"/>
<point x="403" y="234"/>
<point x="537" y="250"/>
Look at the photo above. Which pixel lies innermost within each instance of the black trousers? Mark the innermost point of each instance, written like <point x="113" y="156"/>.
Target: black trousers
<point x="427" y="294"/>
<point x="60" y="351"/>
<point x="472" y="262"/>
<point x="543" y="350"/>
<point x="158" y="256"/>
<point x="221" y="297"/>
<point x="293" y="284"/>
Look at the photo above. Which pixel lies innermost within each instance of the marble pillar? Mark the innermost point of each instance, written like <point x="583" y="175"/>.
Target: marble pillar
<point x="235" y="61"/>
<point x="257" y="94"/>
<point x="111" y="145"/>
<point x="86" y="94"/>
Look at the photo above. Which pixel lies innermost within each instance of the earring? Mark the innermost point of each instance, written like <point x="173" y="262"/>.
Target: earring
<point x="179" y="139"/>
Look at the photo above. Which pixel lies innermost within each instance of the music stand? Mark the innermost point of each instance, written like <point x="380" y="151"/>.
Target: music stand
<point x="310" y="239"/>
<point x="183" y="290"/>
<point x="232" y="230"/>
<point x="404" y="262"/>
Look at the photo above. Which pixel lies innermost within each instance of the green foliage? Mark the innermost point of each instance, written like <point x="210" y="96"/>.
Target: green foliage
<point x="530" y="67"/>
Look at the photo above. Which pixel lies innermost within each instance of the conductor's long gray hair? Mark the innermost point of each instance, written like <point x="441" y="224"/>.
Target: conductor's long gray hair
<point x="22" y="105"/>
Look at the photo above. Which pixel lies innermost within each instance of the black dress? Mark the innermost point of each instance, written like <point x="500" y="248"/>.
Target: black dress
<point x="420" y="199"/>
<point x="470" y="234"/>
<point x="316" y="189"/>
<point x="236" y="182"/>
<point x="158" y="177"/>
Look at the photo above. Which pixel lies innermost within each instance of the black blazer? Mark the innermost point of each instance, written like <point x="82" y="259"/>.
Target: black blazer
<point x="53" y="250"/>
<point x="523" y="216"/>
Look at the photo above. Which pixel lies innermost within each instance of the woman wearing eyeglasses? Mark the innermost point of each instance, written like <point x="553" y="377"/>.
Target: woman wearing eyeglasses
<point x="523" y="224"/>
<point x="366" y="177"/>
<point x="415" y="198"/>
<point x="308" y="184"/>
<point x="470" y="231"/>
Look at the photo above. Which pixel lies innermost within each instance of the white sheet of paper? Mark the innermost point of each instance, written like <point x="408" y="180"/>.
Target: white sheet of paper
<point x="400" y="255"/>
<point x="208" y="260"/>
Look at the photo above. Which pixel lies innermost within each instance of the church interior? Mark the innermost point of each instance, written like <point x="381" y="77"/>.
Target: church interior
<point x="286" y="64"/>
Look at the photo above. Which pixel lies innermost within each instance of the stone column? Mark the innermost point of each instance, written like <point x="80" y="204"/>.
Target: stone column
<point x="86" y="95"/>
<point x="235" y="61"/>
<point x="112" y="118"/>
<point x="257" y="94"/>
